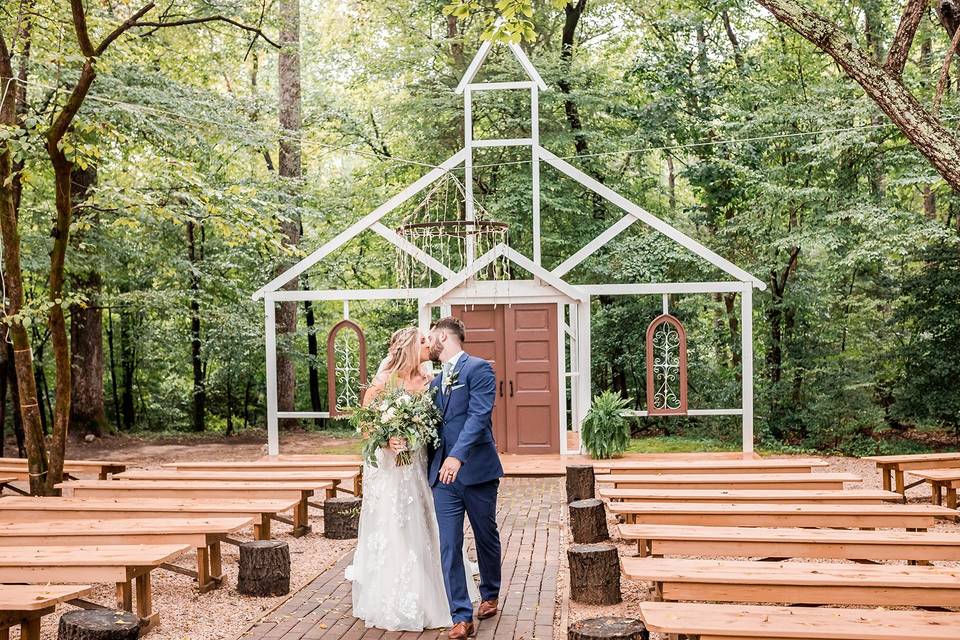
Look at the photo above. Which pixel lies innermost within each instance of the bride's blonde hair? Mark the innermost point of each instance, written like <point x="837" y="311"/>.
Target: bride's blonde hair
<point x="403" y="358"/>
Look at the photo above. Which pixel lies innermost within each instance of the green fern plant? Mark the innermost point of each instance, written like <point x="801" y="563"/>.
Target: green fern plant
<point x="606" y="431"/>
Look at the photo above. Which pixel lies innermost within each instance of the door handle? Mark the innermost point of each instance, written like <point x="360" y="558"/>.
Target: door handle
<point x="511" y="388"/>
<point x="501" y="388"/>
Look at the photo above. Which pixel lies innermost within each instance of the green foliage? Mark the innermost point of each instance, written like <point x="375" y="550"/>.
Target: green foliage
<point x="606" y="431"/>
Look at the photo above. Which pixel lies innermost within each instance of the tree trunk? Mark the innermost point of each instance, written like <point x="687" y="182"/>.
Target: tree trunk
<point x="572" y="13"/>
<point x="264" y="568"/>
<point x="290" y="172"/>
<point x="931" y="138"/>
<point x="113" y="371"/>
<point x="341" y="518"/>
<point x="128" y="368"/>
<point x="607" y="629"/>
<point x="87" y="412"/>
<point x="99" y="624"/>
<point x="594" y="573"/>
<point x="195" y="256"/>
<point x="580" y="482"/>
<point x="23" y="355"/>
<point x="588" y="521"/>
<point x="14" y="398"/>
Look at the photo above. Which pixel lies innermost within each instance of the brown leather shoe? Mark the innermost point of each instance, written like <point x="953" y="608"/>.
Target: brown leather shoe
<point x="487" y="609"/>
<point x="461" y="631"/>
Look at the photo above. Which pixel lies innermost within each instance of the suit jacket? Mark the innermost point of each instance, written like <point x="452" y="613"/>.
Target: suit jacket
<point x="467" y="430"/>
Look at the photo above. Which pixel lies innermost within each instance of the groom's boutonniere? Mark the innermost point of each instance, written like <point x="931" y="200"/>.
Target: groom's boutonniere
<point x="450" y="381"/>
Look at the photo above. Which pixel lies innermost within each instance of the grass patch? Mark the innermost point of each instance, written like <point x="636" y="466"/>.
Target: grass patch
<point x="678" y="444"/>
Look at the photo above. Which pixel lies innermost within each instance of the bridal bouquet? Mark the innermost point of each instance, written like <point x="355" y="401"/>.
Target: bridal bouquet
<point x="397" y="413"/>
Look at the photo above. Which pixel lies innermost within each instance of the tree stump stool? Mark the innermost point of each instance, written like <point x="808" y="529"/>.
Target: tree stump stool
<point x="264" y="568"/>
<point x="580" y="482"/>
<point x="594" y="573"/>
<point x="341" y="518"/>
<point x="588" y="521"/>
<point x="608" y="629"/>
<point x="98" y="624"/>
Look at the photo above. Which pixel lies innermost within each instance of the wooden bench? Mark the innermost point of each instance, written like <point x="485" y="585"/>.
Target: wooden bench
<point x="203" y="534"/>
<point x="282" y="466"/>
<point x="120" y="564"/>
<point x="892" y="467"/>
<point x="763" y="465"/>
<point x="853" y="516"/>
<point x="808" y="583"/>
<point x="203" y="489"/>
<point x="941" y="480"/>
<point x="102" y="468"/>
<point x="785" y="496"/>
<point x="738" y="622"/>
<point x="848" y="544"/>
<point x="52" y="509"/>
<point x="335" y="477"/>
<point x="757" y="481"/>
<point x="25" y="605"/>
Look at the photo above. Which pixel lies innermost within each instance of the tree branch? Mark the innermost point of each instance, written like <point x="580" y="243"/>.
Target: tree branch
<point x="127" y="24"/>
<point x="913" y="14"/>
<point x="80" y="26"/>
<point x="945" y="73"/>
<point x="189" y="21"/>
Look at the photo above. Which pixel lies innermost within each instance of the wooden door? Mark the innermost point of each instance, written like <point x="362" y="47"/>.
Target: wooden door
<point x="484" y="324"/>
<point x="533" y="413"/>
<point x="520" y="341"/>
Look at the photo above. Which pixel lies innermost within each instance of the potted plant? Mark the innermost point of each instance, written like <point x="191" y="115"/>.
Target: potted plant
<point x="606" y="431"/>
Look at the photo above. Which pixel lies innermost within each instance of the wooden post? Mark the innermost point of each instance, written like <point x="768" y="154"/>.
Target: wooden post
<point x="580" y="482"/>
<point x="588" y="521"/>
<point x="264" y="568"/>
<point x="98" y="624"/>
<point x="608" y="629"/>
<point x="594" y="573"/>
<point x="341" y="518"/>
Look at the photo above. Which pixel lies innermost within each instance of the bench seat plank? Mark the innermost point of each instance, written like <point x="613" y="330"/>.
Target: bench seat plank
<point x="257" y="465"/>
<point x="797" y="582"/>
<point x="763" y="465"/>
<point x="101" y="468"/>
<point x="758" y="481"/>
<point x="940" y="480"/>
<point x="25" y="605"/>
<point x="783" y="623"/>
<point x="850" y="544"/>
<point x="857" y="516"/>
<point x="335" y="476"/>
<point x="785" y="496"/>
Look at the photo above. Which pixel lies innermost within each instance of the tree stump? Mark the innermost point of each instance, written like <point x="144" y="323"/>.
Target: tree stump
<point x="588" y="521"/>
<point x="264" y="568"/>
<point x="608" y="629"/>
<point x="341" y="517"/>
<point x="580" y="482"/>
<point x="98" y="624"/>
<point x="594" y="573"/>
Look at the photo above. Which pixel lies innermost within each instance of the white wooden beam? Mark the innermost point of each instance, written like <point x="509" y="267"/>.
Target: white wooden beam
<point x="303" y="414"/>
<point x="528" y="67"/>
<point x="649" y="219"/>
<point x="562" y="377"/>
<point x="346" y="294"/>
<point x="503" y="142"/>
<point x="539" y="272"/>
<point x="360" y="225"/>
<point x="660" y="288"/>
<point x="466" y="273"/>
<point x="471" y="71"/>
<point x="535" y="170"/>
<point x="270" y="333"/>
<point x="469" y="241"/>
<point x="408" y="247"/>
<point x="583" y="363"/>
<point x="746" y="361"/>
<point x="494" y="86"/>
<point x="594" y="245"/>
<point x="690" y="412"/>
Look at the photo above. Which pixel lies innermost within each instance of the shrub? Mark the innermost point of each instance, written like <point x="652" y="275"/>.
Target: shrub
<point x="606" y="431"/>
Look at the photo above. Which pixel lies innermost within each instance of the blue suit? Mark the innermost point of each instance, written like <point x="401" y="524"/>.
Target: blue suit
<point x="467" y="435"/>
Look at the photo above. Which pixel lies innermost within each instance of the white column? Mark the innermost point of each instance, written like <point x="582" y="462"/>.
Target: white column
<point x="583" y="360"/>
<point x="270" y="333"/>
<point x="562" y="377"/>
<point x="446" y="311"/>
<point x="535" y="168"/>
<point x="468" y="170"/>
<point x="346" y="309"/>
<point x="746" y="358"/>
<point x="424" y="317"/>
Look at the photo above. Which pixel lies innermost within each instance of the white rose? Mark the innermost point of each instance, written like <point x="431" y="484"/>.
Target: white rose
<point x="387" y="416"/>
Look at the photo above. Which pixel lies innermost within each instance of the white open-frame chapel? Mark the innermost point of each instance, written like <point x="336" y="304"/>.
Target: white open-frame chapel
<point x="543" y="364"/>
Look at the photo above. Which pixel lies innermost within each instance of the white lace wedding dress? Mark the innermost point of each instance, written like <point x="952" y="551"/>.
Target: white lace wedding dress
<point x="396" y="573"/>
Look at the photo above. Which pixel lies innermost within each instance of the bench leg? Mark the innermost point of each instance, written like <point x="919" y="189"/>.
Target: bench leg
<point x="332" y="491"/>
<point x="899" y="475"/>
<point x="301" y="519"/>
<point x="148" y="619"/>
<point x="216" y="562"/>
<point x="124" y="596"/>
<point x="30" y="629"/>
<point x="264" y="533"/>
<point x="935" y="494"/>
<point x="358" y="484"/>
<point x="885" y="478"/>
<point x="5" y="634"/>
<point x="951" y="498"/>
<point x="204" y="583"/>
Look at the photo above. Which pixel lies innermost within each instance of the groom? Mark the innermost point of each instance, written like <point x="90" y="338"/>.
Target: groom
<point x="465" y="472"/>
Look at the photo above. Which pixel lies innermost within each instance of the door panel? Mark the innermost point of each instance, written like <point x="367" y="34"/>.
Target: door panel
<point x="532" y="371"/>
<point x="484" y="339"/>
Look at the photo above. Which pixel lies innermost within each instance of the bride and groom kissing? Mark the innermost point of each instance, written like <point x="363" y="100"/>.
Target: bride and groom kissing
<point x="410" y="571"/>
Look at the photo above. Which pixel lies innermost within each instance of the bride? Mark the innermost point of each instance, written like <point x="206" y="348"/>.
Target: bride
<point x="396" y="574"/>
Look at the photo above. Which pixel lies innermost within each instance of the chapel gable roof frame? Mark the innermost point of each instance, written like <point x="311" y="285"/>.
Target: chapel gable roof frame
<point x="477" y="62"/>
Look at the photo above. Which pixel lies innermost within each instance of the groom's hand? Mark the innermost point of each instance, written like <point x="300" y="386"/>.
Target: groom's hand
<point x="449" y="470"/>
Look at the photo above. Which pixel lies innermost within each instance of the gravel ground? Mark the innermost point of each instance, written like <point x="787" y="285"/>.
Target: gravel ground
<point x="222" y="614"/>
<point x="635" y="592"/>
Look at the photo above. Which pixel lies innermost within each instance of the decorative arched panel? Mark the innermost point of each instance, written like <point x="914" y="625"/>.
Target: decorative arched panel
<point x="346" y="367"/>
<point x="666" y="367"/>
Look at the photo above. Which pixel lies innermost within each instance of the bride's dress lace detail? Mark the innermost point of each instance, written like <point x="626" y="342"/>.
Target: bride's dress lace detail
<point x="396" y="574"/>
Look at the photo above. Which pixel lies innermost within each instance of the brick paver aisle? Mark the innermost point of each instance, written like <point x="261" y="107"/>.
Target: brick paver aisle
<point x="530" y="511"/>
